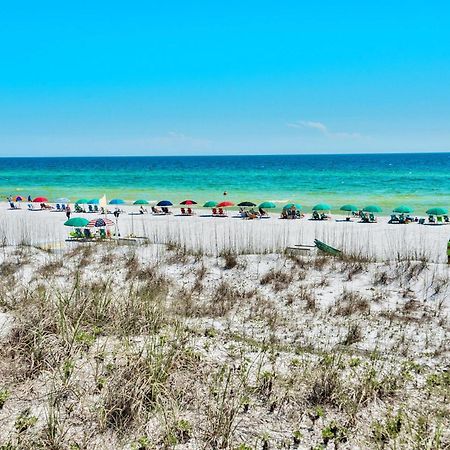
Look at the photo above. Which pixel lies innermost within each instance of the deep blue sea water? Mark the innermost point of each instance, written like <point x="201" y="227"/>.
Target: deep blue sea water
<point x="419" y="180"/>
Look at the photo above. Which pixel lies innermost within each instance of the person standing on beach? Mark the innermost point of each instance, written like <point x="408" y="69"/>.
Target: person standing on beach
<point x="68" y="212"/>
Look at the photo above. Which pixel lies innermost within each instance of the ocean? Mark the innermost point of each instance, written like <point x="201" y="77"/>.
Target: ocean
<point x="418" y="180"/>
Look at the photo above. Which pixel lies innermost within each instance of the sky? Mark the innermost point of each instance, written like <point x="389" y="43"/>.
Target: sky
<point x="204" y="77"/>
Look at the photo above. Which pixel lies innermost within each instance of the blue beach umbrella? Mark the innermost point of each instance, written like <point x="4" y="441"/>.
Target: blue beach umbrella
<point x="164" y="203"/>
<point x="117" y="201"/>
<point x="62" y="200"/>
<point x="94" y="201"/>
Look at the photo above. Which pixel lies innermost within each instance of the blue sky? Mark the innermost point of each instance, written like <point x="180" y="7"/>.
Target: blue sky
<point x="178" y="77"/>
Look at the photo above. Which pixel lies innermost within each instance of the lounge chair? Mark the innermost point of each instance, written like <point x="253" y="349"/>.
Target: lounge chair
<point x="190" y="212"/>
<point x="421" y="221"/>
<point x="394" y="219"/>
<point x="96" y="208"/>
<point x="214" y="211"/>
<point x="183" y="211"/>
<point x="315" y="215"/>
<point x="440" y="220"/>
<point x="90" y="209"/>
<point x="221" y="212"/>
<point x="157" y="211"/>
<point x="372" y="218"/>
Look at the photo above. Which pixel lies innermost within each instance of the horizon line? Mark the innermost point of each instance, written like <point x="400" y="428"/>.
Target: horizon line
<point x="225" y="155"/>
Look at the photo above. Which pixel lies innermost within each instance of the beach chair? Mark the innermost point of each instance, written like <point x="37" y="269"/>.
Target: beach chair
<point x="372" y="218"/>
<point x="90" y="209"/>
<point x="78" y="233"/>
<point x="421" y="221"/>
<point x="440" y="220"/>
<point x="87" y="233"/>
<point x="58" y="207"/>
<point x="78" y="209"/>
<point x="393" y="219"/>
<point x="221" y="212"/>
<point x="96" y="208"/>
<point x="183" y="211"/>
<point x="446" y="219"/>
<point x="315" y="215"/>
<point x="190" y="212"/>
<point x="214" y="212"/>
<point x="431" y="219"/>
<point x="102" y="233"/>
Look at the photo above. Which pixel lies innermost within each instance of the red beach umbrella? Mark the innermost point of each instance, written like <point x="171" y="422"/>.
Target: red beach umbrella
<point x="40" y="200"/>
<point x="225" y="204"/>
<point x="188" y="202"/>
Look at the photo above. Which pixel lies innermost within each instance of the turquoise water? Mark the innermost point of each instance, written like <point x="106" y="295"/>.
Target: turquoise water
<point x="419" y="180"/>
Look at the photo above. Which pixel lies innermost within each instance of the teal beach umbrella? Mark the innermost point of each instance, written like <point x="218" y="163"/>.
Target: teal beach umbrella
<point x="437" y="211"/>
<point x="293" y="205"/>
<point x="141" y="202"/>
<point x="78" y="222"/>
<point x="82" y="201"/>
<point x="372" y="209"/>
<point x="210" y="204"/>
<point x="93" y="201"/>
<point x="267" y="205"/>
<point x="348" y="208"/>
<point x="403" y="209"/>
<point x="322" y="207"/>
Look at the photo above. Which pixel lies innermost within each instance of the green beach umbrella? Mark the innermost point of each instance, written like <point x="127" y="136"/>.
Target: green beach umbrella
<point x="292" y="205"/>
<point x="82" y="201"/>
<point x="437" y="211"/>
<point x="372" y="209"/>
<point x="78" y="222"/>
<point x="403" y="209"/>
<point x="322" y="207"/>
<point x="348" y="208"/>
<point x="267" y="205"/>
<point x="210" y="204"/>
<point x="141" y="202"/>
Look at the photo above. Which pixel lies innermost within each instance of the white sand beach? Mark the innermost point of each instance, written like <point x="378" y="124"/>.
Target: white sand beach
<point x="213" y="235"/>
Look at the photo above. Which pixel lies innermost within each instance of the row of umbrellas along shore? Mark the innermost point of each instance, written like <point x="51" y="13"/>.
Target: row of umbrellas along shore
<point x="402" y="209"/>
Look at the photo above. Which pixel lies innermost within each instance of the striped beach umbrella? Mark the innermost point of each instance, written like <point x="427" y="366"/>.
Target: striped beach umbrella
<point x="100" y="222"/>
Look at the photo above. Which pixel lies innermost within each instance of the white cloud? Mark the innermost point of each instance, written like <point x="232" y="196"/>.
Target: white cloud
<point x="323" y="129"/>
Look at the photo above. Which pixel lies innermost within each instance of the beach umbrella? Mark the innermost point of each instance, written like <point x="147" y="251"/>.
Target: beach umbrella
<point x="437" y="211"/>
<point x="94" y="201"/>
<point x="292" y="205"/>
<point x="267" y="205"/>
<point x="117" y="201"/>
<point x="18" y="198"/>
<point x="62" y="200"/>
<point x="100" y="222"/>
<point x="78" y="222"/>
<point x="82" y="201"/>
<point x="210" y="204"/>
<point x="348" y="208"/>
<point x="372" y="209"/>
<point x="246" y="204"/>
<point x="164" y="203"/>
<point x="322" y="207"/>
<point x="403" y="209"/>
<point x="40" y="200"/>
<point x="188" y="202"/>
<point x="225" y="204"/>
<point x="141" y="202"/>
